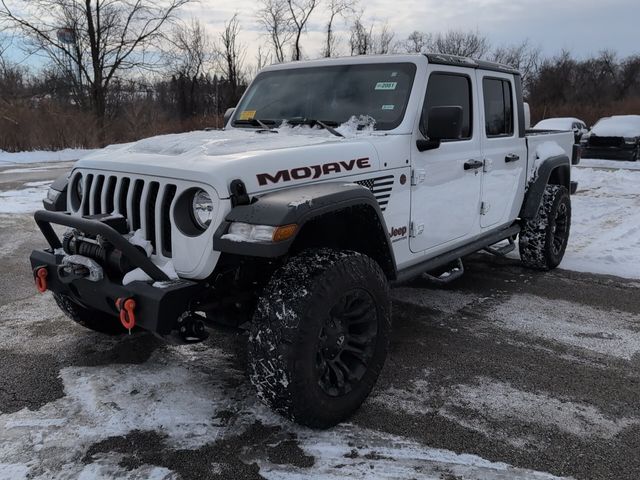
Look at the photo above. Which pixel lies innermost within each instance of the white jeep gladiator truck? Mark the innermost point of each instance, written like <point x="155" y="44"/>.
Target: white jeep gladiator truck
<point x="332" y="180"/>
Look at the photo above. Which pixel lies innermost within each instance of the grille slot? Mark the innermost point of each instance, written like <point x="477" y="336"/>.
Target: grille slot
<point x="381" y="188"/>
<point x="146" y="205"/>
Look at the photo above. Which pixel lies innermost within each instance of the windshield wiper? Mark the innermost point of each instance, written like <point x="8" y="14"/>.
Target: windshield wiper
<point x="326" y="124"/>
<point x="266" y="124"/>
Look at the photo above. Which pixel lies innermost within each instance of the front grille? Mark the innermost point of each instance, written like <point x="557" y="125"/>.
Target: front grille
<point x="380" y="187"/>
<point x="145" y="204"/>
<point x="595" y="141"/>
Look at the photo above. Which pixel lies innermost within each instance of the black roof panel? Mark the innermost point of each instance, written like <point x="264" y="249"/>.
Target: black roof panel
<point x="456" y="61"/>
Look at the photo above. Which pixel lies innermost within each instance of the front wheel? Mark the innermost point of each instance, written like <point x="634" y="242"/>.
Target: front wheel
<point x="543" y="239"/>
<point x="320" y="336"/>
<point x="92" y="319"/>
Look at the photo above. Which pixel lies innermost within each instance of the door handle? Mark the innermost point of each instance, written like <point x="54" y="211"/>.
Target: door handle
<point x="512" y="157"/>
<point x="473" y="164"/>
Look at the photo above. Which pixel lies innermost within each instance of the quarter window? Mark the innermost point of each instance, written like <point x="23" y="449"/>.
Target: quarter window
<point x="446" y="90"/>
<point x="498" y="107"/>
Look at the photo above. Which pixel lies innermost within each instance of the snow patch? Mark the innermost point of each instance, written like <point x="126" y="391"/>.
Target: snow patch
<point x="138" y="275"/>
<point x="38" y="156"/>
<point x="26" y="200"/>
<point x="549" y="149"/>
<point x="138" y="239"/>
<point x="572" y="324"/>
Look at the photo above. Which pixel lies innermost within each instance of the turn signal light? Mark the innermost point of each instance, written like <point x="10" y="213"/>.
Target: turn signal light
<point x="285" y="232"/>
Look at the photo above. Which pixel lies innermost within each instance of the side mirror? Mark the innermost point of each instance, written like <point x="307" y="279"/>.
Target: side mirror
<point x="227" y="116"/>
<point x="444" y="123"/>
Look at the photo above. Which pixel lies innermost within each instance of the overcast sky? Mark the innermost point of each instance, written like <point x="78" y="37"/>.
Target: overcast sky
<point x="583" y="27"/>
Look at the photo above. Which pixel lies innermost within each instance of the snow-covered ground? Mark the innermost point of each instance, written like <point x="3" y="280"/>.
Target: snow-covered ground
<point x="65" y="155"/>
<point x="24" y="200"/>
<point x="605" y="227"/>
<point x="597" y="163"/>
<point x="175" y="392"/>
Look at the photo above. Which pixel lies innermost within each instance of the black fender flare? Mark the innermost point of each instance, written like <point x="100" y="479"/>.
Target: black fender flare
<point x="298" y="206"/>
<point x="556" y="170"/>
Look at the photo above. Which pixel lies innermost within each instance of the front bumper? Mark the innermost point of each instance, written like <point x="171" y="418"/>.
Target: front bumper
<point x="609" y="153"/>
<point x="157" y="308"/>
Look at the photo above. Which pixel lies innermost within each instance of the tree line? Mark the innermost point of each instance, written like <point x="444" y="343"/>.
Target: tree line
<point x="120" y="70"/>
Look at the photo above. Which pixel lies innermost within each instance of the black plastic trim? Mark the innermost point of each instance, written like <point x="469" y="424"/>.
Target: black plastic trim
<point x="536" y="187"/>
<point x="297" y="206"/>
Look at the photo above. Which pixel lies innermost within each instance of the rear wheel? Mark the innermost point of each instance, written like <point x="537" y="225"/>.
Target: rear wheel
<point x="320" y="336"/>
<point x="92" y="319"/>
<point x="543" y="239"/>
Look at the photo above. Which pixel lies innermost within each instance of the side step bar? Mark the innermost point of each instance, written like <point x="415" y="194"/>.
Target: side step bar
<point x="446" y="277"/>
<point x="448" y="257"/>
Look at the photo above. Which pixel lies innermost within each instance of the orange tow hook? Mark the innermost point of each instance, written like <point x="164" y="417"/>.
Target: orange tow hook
<point x="126" y="307"/>
<point x="41" y="279"/>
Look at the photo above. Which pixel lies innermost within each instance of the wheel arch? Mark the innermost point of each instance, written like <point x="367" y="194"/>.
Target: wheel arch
<point x="336" y="215"/>
<point x="553" y="171"/>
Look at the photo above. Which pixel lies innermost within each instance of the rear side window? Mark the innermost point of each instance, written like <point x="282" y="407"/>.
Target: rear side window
<point x="498" y="107"/>
<point x="447" y="90"/>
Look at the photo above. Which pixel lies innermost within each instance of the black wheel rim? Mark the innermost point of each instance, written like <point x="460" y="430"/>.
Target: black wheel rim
<point x="346" y="343"/>
<point x="560" y="228"/>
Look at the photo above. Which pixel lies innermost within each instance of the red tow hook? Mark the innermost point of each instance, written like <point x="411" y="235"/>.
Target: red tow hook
<point x="126" y="307"/>
<point x="41" y="274"/>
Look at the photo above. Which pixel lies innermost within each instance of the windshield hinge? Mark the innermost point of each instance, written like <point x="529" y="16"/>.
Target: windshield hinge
<point x="418" y="176"/>
<point x="415" y="229"/>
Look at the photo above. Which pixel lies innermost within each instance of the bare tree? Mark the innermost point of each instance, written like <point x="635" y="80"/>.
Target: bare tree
<point x="361" y="38"/>
<point x="383" y="41"/>
<point x="300" y="11"/>
<point x="463" y="44"/>
<point x="190" y="50"/>
<point x="232" y="56"/>
<point x="523" y="57"/>
<point x="336" y="9"/>
<point x="417" y="42"/>
<point x="93" y="39"/>
<point x="274" y="18"/>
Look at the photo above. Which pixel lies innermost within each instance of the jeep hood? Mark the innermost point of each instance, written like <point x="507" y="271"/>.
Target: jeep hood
<point x="257" y="158"/>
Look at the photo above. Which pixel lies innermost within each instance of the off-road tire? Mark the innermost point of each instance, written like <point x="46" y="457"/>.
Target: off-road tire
<point x="92" y="319"/>
<point x="543" y="239"/>
<point x="290" y="364"/>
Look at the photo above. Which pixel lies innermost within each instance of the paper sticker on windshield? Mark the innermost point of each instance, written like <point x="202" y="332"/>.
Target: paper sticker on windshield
<point x="247" y="115"/>
<point x="388" y="107"/>
<point x="386" y="85"/>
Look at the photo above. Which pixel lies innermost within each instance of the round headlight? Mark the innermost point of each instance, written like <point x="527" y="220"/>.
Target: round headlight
<point x="202" y="209"/>
<point x="79" y="187"/>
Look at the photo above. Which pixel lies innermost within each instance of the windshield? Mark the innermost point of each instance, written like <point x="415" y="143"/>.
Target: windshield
<point x="331" y="94"/>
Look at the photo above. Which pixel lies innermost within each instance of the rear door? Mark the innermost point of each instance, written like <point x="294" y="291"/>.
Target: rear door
<point x="445" y="196"/>
<point x="503" y="148"/>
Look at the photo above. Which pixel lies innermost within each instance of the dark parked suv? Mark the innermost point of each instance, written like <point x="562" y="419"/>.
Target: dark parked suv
<point x="613" y="138"/>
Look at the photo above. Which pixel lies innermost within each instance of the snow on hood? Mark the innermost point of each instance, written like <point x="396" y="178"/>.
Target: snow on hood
<point x="217" y="157"/>
<point x="618" y="126"/>
<point x="229" y="142"/>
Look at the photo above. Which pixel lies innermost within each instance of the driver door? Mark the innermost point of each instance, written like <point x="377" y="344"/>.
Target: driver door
<point x="446" y="184"/>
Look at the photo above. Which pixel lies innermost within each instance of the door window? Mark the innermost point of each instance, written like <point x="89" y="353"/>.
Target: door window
<point x="498" y="107"/>
<point x="448" y="90"/>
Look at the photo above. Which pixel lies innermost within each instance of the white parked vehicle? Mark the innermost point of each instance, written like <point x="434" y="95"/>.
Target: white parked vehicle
<point x="332" y="180"/>
<point x="577" y="126"/>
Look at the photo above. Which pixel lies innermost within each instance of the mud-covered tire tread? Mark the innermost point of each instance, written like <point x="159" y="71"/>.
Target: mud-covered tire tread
<point x="536" y="237"/>
<point x="91" y="319"/>
<point x="278" y="336"/>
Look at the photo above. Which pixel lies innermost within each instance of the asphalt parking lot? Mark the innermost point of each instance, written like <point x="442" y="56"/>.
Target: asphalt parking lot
<point x="506" y="373"/>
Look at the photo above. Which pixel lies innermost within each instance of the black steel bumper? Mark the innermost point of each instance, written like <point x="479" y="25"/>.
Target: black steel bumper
<point x="157" y="309"/>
